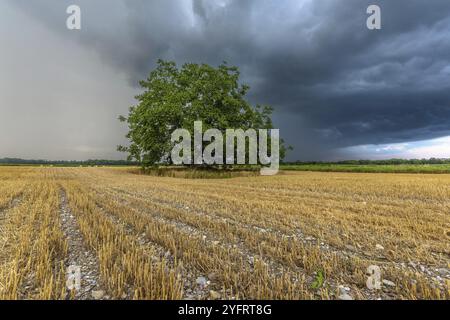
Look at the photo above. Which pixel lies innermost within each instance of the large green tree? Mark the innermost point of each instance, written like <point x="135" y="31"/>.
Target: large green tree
<point x="174" y="98"/>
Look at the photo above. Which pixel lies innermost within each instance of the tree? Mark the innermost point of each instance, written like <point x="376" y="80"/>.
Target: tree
<point x="174" y="98"/>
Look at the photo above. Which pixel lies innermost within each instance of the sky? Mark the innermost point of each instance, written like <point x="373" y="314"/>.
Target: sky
<point x="339" y="90"/>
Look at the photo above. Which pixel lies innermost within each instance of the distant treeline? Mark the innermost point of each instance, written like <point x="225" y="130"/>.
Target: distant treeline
<point x="377" y="162"/>
<point x="102" y="162"/>
<point x="96" y="162"/>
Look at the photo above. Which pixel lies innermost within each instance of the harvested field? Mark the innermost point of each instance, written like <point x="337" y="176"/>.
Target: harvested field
<point x="299" y="235"/>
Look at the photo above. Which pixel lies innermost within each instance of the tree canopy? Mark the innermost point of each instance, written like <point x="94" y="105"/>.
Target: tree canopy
<point x="174" y="98"/>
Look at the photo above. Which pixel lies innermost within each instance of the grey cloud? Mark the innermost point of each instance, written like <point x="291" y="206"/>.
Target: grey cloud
<point x="333" y="82"/>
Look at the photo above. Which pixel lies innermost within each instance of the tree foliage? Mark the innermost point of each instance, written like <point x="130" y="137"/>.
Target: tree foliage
<point x="174" y="98"/>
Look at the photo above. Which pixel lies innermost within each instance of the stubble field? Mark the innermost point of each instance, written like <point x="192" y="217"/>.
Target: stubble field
<point x="299" y="235"/>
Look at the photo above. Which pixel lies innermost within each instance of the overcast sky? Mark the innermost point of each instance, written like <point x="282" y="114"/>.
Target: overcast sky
<point x="339" y="90"/>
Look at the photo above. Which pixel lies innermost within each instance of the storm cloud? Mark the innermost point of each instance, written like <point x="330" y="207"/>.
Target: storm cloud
<point x="333" y="83"/>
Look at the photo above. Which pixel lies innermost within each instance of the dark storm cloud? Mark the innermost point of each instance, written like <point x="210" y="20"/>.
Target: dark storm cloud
<point x="333" y="82"/>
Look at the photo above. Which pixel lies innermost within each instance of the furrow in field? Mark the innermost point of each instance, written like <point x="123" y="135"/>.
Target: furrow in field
<point x="126" y="266"/>
<point x="221" y="260"/>
<point x="156" y="253"/>
<point x="79" y="256"/>
<point x="264" y="247"/>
